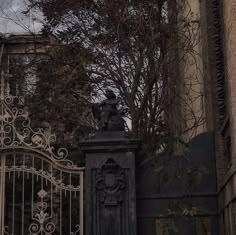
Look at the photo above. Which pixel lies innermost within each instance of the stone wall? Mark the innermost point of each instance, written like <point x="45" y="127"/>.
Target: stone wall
<point x="227" y="192"/>
<point x="229" y="23"/>
<point x="170" y="185"/>
<point x="218" y="26"/>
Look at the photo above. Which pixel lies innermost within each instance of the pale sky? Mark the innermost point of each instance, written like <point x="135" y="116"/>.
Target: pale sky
<point x="13" y="21"/>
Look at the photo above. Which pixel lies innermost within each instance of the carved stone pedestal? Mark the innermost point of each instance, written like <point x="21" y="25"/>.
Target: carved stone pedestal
<point x="110" y="202"/>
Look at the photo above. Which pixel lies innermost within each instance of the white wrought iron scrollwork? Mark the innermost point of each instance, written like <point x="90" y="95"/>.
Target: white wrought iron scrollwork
<point x="16" y="131"/>
<point x="6" y="231"/>
<point x="46" y="175"/>
<point x="42" y="223"/>
<point x="29" y="161"/>
<point x="77" y="230"/>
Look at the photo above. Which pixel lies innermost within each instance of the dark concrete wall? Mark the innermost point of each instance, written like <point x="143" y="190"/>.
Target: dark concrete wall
<point x="178" y="182"/>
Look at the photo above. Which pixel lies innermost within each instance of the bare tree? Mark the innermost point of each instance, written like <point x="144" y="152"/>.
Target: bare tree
<point x="138" y="48"/>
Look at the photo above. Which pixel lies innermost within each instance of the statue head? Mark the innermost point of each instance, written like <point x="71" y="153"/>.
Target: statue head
<point x="110" y="94"/>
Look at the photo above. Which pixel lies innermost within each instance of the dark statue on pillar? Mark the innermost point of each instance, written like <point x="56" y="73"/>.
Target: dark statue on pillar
<point x="108" y="116"/>
<point x="110" y="202"/>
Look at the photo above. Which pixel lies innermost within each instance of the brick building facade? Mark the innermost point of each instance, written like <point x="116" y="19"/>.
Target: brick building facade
<point x="218" y="53"/>
<point x="227" y="180"/>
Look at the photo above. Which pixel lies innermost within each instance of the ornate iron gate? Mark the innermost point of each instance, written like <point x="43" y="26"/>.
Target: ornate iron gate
<point x="41" y="190"/>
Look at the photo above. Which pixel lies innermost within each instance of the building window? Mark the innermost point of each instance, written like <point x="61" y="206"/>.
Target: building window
<point x="21" y="74"/>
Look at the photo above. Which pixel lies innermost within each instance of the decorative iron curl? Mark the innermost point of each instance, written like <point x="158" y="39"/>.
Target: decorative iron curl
<point x="49" y="227"/>
<point x="34" y="228"/>
<point x="16" y="132"/>
<point x="77" y="227"/>
<point x="5" y="232"/>
<point x="41" y="226"/>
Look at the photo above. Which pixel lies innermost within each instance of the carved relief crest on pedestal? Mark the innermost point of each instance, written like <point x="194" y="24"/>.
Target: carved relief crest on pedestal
<point x="110" y="183"/>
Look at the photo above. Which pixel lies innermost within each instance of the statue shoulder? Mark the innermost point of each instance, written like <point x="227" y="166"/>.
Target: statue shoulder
<point x="113" y="102"/>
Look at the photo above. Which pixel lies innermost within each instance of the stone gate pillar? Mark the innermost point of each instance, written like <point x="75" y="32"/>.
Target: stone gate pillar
<point x="110" y="202"/>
